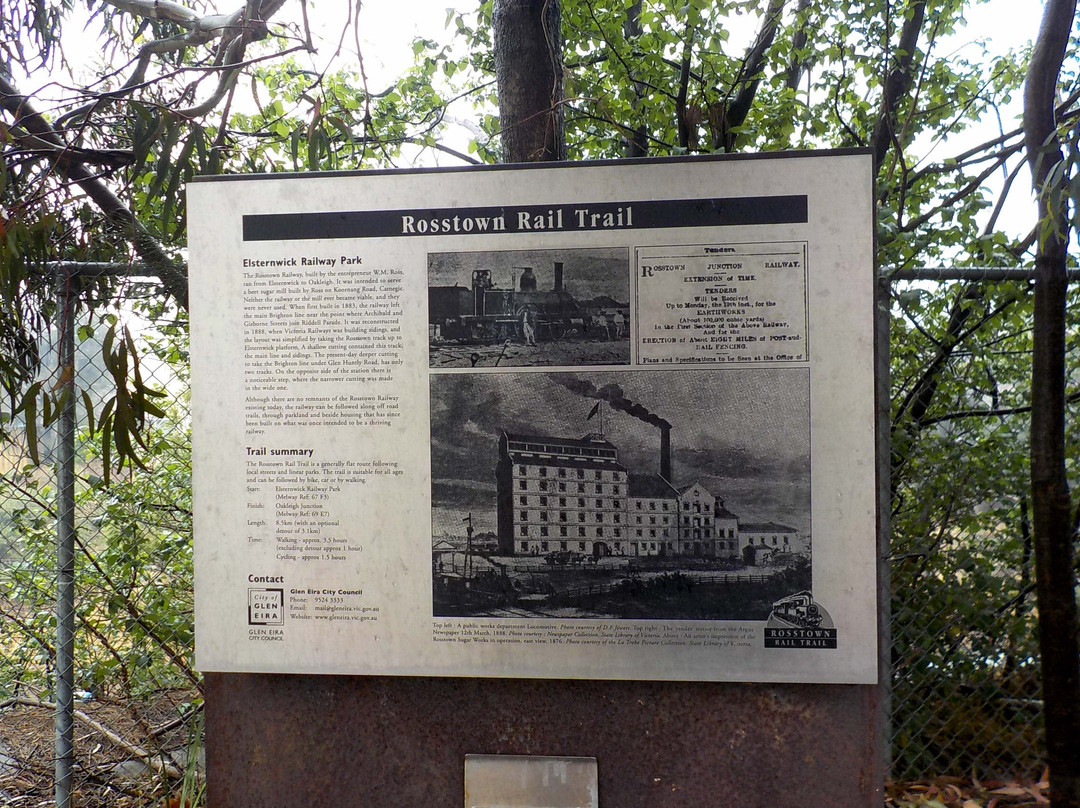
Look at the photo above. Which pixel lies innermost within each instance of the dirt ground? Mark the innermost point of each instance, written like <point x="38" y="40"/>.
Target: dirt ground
<point x="105" y="773"/>
<point x="566" y="352"/>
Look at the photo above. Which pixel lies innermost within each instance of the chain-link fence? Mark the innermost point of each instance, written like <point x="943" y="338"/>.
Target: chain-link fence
<point x="122" y="726"/>
<point x="965" y="677"/>
<point x="965" y="685"/>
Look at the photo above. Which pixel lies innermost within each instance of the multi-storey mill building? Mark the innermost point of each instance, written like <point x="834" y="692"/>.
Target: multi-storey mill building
<point x="566" y="494"/>
<point x="560" y="494"/>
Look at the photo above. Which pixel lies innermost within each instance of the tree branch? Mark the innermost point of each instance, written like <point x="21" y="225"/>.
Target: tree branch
<point x="750" y="75"/>
<point x="897" y="83"/>
<point x="172" y="275"/>
<point x="684" y="84"/>
<point x="956" y="416"/>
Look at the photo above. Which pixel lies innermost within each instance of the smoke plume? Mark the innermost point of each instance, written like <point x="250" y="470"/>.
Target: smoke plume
<point x="613" y="395"/>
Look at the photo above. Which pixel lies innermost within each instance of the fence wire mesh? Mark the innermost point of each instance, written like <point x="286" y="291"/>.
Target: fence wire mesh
<point x="965" y="679"/>
<point x="965" y="693"/>
<point x="137" y="699"/>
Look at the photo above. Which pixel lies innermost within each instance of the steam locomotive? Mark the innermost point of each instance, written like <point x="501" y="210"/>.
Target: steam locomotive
<point x="798" y="610"/>
<point x="486" y="313"/>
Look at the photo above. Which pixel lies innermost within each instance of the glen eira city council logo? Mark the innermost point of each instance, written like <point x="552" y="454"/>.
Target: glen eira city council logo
<point x="266" y="607"/>
<point x="798" y="621"/>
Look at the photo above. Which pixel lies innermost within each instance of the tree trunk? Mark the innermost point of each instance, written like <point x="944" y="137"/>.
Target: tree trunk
<point x="528" y="69"/>
<point x="1054" y="535"/>
<point x="637" y="142"/>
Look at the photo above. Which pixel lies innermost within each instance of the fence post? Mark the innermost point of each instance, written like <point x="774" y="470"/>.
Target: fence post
<point x="65" y="536"/>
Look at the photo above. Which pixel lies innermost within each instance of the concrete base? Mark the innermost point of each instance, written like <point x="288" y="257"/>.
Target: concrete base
<point x="387" y="742"/>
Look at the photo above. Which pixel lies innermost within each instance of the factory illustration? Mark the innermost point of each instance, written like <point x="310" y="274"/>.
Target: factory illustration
<point x="574" y="510"/>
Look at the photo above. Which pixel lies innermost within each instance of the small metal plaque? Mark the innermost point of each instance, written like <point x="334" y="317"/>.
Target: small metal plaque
<point x="521" y="781"/>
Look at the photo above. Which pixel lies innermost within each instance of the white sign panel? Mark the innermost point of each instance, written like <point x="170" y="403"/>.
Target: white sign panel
<point x="575" y="421"/>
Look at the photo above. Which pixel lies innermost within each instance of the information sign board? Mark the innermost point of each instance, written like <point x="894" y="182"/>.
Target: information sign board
<point x="601" y="420"/>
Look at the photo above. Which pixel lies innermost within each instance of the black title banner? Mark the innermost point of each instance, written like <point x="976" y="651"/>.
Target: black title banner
<point x="641" y="215"/>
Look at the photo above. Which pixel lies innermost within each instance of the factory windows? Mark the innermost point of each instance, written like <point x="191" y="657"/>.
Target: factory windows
<point x="665" y="506"/>
<point x="543" y="485"/>
<point x="581" y="474"/>
<point x="543" y="546"/>
<point x="618" y="503"/>
<point x="617" y="517"/>
<point x="652" y="520"/>
<point x="524" y="486"/>
<point x="543" y="516"/>
<point x="599" y="488"/>
<point x="581" y="517"/>
<point x="543" y="471"/>
<point x="562" y="545"/>
<point x="524" y="547"/>
<point x="581" y="488"/>
<point x="599" y="533"/>
<point x="562" y="531"/>
<point x="637" y="504"/>
<point x="637" y="519"/>
<point x="562" y="473"/>
<point x="562" y="502"/>
<point x="616" y="491"/>
<point x="599" y="474"/>
<point x="523" y="470"/>
<point x="581" y="531"/>
<point x="652" y="506"/>
<point x="581" y="545"/>
<point x="524" y="516"/>
<point x="562" y="486"/>
<point x="618" y="547"/>
<point x="637" y="533"/>
<point x="652" y="534"/>
<point x="599" y="503"/>
<point x="543" y="500"/>
<point x="618" y="534"/>
<point x="599" y="517"/>
<point x="543" y="530"/>
<point x="562" y="516"/>
<point x="581" y="502"/>
<point x="524" y="530"/>
<point x="524" y="500"/>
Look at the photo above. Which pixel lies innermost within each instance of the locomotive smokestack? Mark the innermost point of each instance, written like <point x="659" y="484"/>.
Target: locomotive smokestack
<point x="558" y="276"/>
<point x="665" y="452"/>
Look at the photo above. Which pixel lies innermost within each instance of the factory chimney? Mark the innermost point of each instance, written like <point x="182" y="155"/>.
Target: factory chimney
<point x="558" y="276"/>
<point x="665" y="452"/>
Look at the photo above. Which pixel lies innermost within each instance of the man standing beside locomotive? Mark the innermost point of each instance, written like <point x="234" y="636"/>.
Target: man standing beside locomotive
<point x="528" y="327"/>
